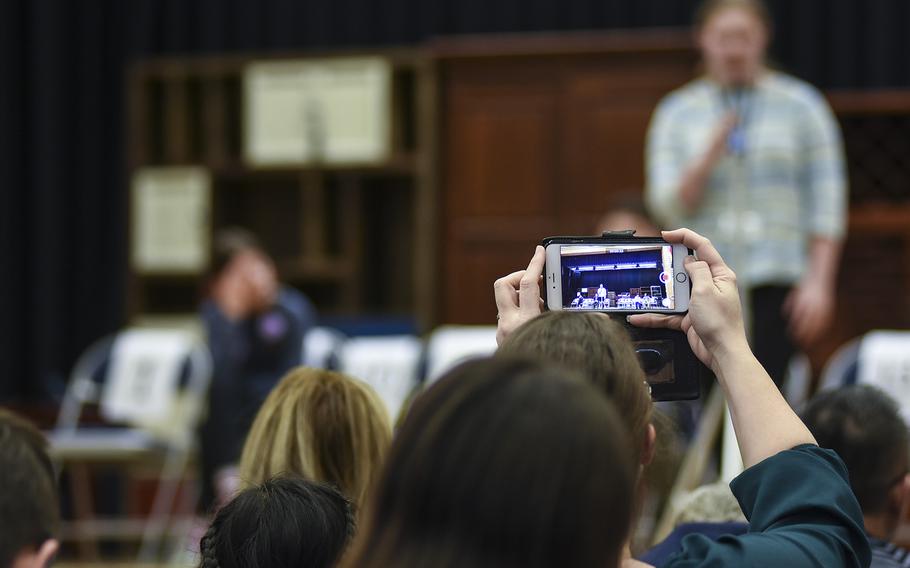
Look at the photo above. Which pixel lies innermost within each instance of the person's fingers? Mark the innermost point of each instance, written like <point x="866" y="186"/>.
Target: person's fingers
<point x="656" y="320"/>
<point x="703" y="248"/>
<point x="700" y="276"/>
<point x="505" y="292"/>
<point x="529" y="283"/>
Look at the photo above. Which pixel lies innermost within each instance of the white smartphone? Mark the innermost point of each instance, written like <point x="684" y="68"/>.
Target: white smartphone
<point x="616" y="274"/>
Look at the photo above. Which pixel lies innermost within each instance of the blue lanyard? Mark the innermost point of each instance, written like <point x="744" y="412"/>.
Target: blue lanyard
<point x="740" y="102"/>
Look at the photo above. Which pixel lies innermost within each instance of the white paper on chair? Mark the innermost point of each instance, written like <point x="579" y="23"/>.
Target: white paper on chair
<point x="334" y="110"/>
<point x="388" y="364"/>
<point x="884" y="361"/>
<point x="143" y="373"/>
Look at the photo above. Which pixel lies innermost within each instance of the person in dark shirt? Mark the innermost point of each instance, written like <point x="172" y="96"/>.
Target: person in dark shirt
<point x="864" y="426"/>
<point x="255" y="328"/>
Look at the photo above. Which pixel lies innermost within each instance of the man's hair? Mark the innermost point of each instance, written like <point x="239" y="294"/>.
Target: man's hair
<point x="709" y="8"/>
<point x="598" y="349"/>
<point x="228" y="243"/>
<point x="864" y="426"/>
<point x="503" y="462"/>
<point x="321" y="425"/>
<point x="29" y="511"/>
<point x="285" y="521"/>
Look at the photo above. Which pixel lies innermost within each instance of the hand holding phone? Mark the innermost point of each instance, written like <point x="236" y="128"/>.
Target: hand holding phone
<point x="518" y="296"/>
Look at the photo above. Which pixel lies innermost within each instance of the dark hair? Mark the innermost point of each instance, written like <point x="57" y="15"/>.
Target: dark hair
<point x="864" y="426"/>
<point x="503" y="462"/>
<point x="283" y="523"/>
<point x="229" y="242"/>
<point x="708" y="8"/>
<point x="29" y="511"/>
<point x="597" y="348"/>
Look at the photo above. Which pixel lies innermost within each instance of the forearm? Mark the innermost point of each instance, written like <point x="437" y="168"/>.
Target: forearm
<point x="694" y="179"/>
<point x="763" y="421"/>
<point x="824" y="258"/>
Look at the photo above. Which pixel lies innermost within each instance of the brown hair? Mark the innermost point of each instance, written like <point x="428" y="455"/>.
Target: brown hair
<point x="708" y="8"/>
<point x="29" y="512"/>
<point x="599" y="349"/>
<point x="321" y="425"/>
<point x="502" y="462"/>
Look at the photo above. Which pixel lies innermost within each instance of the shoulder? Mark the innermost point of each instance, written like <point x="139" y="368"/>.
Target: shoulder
<point x="691" y="95"/>
<point x="795" y="91"/>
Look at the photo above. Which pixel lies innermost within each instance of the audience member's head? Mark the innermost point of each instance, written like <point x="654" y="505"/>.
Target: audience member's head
<point x="864" y="426"/>
<point x="627" y="211"/>
<point x="598" y="349"/>
<point x="733" y="36"/>
<point x="29" y="512"/>
<point x="503" y="462"/>
<point x="323" y="426"/>
<point x="285" y="522"/>
<point x="242" y="277"/>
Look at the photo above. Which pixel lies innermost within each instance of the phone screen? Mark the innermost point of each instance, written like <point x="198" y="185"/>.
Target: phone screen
<point x="621" y="277"/>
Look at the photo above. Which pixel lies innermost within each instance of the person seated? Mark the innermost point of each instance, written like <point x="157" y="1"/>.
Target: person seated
<point x="284" y="521"/>
<point x="502" y="462"/>
<point x="637" y="302"/>
<point x="255" y="328"/>
<point x="321" y="425"/>
<point x="627" y="211"/>
<point x="864" y="426"/>
<point x="579" y="300"/>
<point x="29" y="509"/>
<point x="796" y="495"/>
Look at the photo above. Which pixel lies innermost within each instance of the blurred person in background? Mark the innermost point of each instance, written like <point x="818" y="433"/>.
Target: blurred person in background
<point x="753" y="159"/>
<point x="627" y="211"/>
<point x="323" y="426"/>
<point x="864" y="426"/>
<point x="29" y="509"/>
<point x="255" y="328"/>
<point x="283" y="522"/>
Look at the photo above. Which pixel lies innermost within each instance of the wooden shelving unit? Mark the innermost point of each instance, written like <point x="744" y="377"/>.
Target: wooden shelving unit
<point x="356" y="238"/>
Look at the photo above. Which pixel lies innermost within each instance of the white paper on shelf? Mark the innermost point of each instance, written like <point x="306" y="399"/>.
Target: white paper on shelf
<point x="171" y="219"/>
<point x="333" y="110"/>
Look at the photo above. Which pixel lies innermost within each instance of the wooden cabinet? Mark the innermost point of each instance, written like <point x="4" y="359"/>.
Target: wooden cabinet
<point x="537" y="133"/>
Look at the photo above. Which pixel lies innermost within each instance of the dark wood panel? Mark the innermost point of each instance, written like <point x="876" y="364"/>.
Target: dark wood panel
<point x="537" y="134"/>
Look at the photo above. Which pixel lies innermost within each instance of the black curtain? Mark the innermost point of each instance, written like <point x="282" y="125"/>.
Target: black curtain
<point x="64" y="195"/>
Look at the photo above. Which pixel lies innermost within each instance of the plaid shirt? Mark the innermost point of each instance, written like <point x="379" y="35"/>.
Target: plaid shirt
<point x="781" y="182"/>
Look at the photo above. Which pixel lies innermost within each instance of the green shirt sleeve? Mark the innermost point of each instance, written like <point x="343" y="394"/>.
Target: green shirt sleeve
<point x="801" y="512"/>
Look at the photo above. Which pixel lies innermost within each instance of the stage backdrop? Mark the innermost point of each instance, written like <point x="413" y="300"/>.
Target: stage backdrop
<point x="63" y="203"/>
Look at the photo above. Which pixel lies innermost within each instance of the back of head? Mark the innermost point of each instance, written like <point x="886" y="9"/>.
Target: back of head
<point x="29" y="512"/>
<point x="597" y="348"/>
<point x="503" y="462"/>
<point x="320" y="425"/>
<point x="282" y="523"/>
<point x="864" y="426"/>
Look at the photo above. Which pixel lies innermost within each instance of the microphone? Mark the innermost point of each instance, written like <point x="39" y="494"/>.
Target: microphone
<point x="736" y="99"/>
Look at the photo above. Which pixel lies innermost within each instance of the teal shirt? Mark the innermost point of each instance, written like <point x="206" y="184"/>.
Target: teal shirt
<point x="801" y="512"/>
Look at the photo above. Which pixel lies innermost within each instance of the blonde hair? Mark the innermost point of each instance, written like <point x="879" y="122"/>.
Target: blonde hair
<point x="323" y="426"/>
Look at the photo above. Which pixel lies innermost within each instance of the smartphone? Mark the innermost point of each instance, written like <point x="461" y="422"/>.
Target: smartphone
<point x="616" y="274"/>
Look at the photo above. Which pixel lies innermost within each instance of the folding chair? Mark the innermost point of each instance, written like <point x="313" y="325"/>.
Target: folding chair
<point x="165" y="437"/>
<point x="389" y="364"/>
<point x="451" y="345"/>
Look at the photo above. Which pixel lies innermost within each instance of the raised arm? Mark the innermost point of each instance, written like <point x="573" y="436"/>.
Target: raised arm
<point x="764" y="422"/>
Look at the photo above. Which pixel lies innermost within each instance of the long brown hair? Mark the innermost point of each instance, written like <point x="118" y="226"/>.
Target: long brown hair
<point x="597" y="348"/>
<point x="322" y="425"/>
<point x="502" y="462"/>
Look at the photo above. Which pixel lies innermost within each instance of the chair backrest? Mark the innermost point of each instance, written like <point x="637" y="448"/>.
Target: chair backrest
<point x="450" y="345"/>
<point x="153" y="379"/>
<point x="321" y="346"/>
<point x="389" y="364"/>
